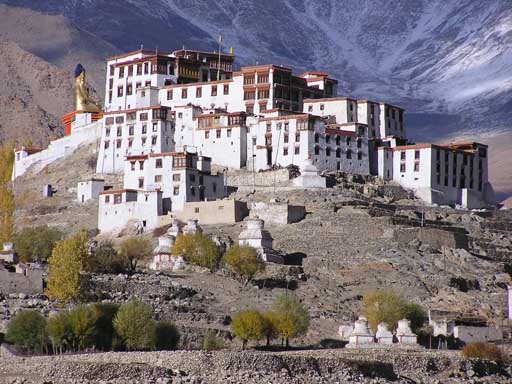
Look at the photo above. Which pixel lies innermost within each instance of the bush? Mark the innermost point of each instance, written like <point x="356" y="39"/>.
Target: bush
<point x="167" y="336"/>
<point x="60" y="332"/>
<point x="212" y="342"/>
<point x="135" y="249"/>
<point x="291" y="317"/>
<point x="135" y="326"/>
<point x="244" y="261"/>
<point x="65" y="282"/>
<point x="83" y="326"/>
<point x="28" y="329"/>
<point x="197" y="249"/>
<point x="106" y="259"/>
<point x="248" y="325"/>
<point x="271" y="326"/>
<point x="481" y="350"/>
<point x="389" y="307"/>
<point x="36" y="243"/>
<point x="105" y="314"/>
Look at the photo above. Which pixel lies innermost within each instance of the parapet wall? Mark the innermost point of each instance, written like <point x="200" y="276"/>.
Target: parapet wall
<point x="12" y="282"/>
<point x="258" y="179"/>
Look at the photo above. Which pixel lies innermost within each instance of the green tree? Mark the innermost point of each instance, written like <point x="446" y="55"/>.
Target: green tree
<point x="28" y="329"/>
<point x="167" y="336"/>
<point x="271" y="325"/>
<point x="105" y="314"/>
<point x="292" y="318"/>
<point x="212" y="342"/>
<point x="7" y="207"/>
<point x="135" y="249"/>
<point x="6" y="163"/>
<point x="248" y="325"/>
<point x="34" y="243"/>
<point x="197" y="249"/>
<point x="135" y="326"/>
<point x="83" y="326"/>
<point x="106" y="259"/>
<point x="244" y="261"/>
<point x="389" y="307"/>
<point x="60" y="332"/>
<point x="65" y="282"/>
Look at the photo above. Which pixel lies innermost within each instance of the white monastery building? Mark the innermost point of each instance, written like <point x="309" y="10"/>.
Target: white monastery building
<point x="168" y="117"/>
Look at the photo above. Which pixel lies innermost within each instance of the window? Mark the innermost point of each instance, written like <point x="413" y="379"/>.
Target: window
<point x="144" y="129"/>
<point x="169" y="94"/>
<point x="317" y="138"/>
<point x="130" y="70"/>
<point x="359" y="142"/>
<point x="359" y="155"/>
<point x="192" y="191"/>
<point x="286" y="138"/>
<point x="348" y="140"/>
<point x="269" y="127"/>
<point x="192" y="178"/>
<point x="180" y="115"/>
<point x="228" y="132"/>
<point x="107" y="132"/>
<point x="206" y="134"/>
<point x="107" y="199"/>
<point x="176" y="177"/>
<point x="119" y="131"/>
<point x="214" y="187"/>
<point x="176" y="191"/>
<point x="153" y="140"/>
<point x="158" y="178"/>
<point x="196" y="209"/>
<point x="253" y="141"/>
<point x="322" y="107"/>
<point x="199" y="92"/>
<point x="147" y="84"/>
<point x="131" y="130"/>
<point x="226" y="89"/>
<point x="402" y="167"/>
<point x="129" y="89"/>
<point x="327" y="139"/>
<point x="121" y="72"/>
<point x="416" y="155"/>
<point x="155" y="127"/>
<point x="132" y="165"/>
<point x="111" y="70"/>
<point x="119" y="91"/>
<point x="349" y="154"/>
<point x="338" y="152"/>
<point x="317" y="150"/>
<point x="217" y="133"/>
<point x="328" y="151"/>
<point x="297" y="137"/>
<point x="146" y="68"/>
<point x="158" y="163"/>
<point x="184" y="93"/>
<point x="141" y="165"/>
<point x="143" y="141"/>
<point x="416" y="167"/>
<point x="214" y="90"/>
<point x="297" y="150"/>
<point x="118" y="198"/>
<point x="106" y="144"/>
<point x="118" y="143"/>
<point x="338" y="139"/>
<point x="143" y="116"/>
<point x="263" y="94"/>
<point x="310" y="108"/>
<point x="402" y="155"/>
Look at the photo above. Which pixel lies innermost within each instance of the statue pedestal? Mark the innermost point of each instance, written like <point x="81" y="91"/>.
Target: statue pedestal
<point x="77" y="119"/>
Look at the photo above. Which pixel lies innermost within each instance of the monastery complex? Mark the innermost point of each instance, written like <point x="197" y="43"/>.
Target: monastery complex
<point x="168" y="117"/>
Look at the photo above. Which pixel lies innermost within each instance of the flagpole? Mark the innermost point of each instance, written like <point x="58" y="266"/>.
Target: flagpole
<point x="218" y="65"/>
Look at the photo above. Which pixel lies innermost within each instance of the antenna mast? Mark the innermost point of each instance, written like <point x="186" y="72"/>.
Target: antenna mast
<point x="220" y="48"/>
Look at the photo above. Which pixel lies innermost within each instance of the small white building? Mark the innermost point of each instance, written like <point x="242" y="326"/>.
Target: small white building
<point x="259" y="238"/>
<point x="440" y="174"/>
<point x="89" y="189"/>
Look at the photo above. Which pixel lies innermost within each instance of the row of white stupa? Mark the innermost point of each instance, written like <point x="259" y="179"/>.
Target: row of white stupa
<point x="360" y="336"/>
<point x="254" y="235"/>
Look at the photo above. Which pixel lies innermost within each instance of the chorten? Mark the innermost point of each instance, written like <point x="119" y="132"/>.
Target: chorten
<point x="361" y="335"/>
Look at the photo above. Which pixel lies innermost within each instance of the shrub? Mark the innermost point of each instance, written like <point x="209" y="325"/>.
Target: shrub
<point x="389" y="307"/>
<point x="481" y="350"/>
<point x="7" y="207"/>
<point x="212" y="342"/>
<point x="83" y="326"/>
<point x="244" y="261"/>
<point x="135" y="325"/>
<point x="197" y="249"/>
<point x="105" y="314"/>
<point x="36" y="243"/>
<point x="106" y="259"/>
<point x="60" y="332"/>
<point x="167" y="336"/>
<point x="135" y="249"/>
<point x="65" y="282"/>
<point x="292" y="318"/>
<point x="248" y="325"/>
<point x="28" y="329"/>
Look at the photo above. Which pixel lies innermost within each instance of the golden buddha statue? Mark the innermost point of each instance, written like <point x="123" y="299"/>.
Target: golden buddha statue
<point x="83" y="101"/>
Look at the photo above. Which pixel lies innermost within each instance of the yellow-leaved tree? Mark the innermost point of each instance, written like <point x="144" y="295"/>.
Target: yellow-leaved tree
<point x="7" y="205"/>
<point x="65" y="280"/>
